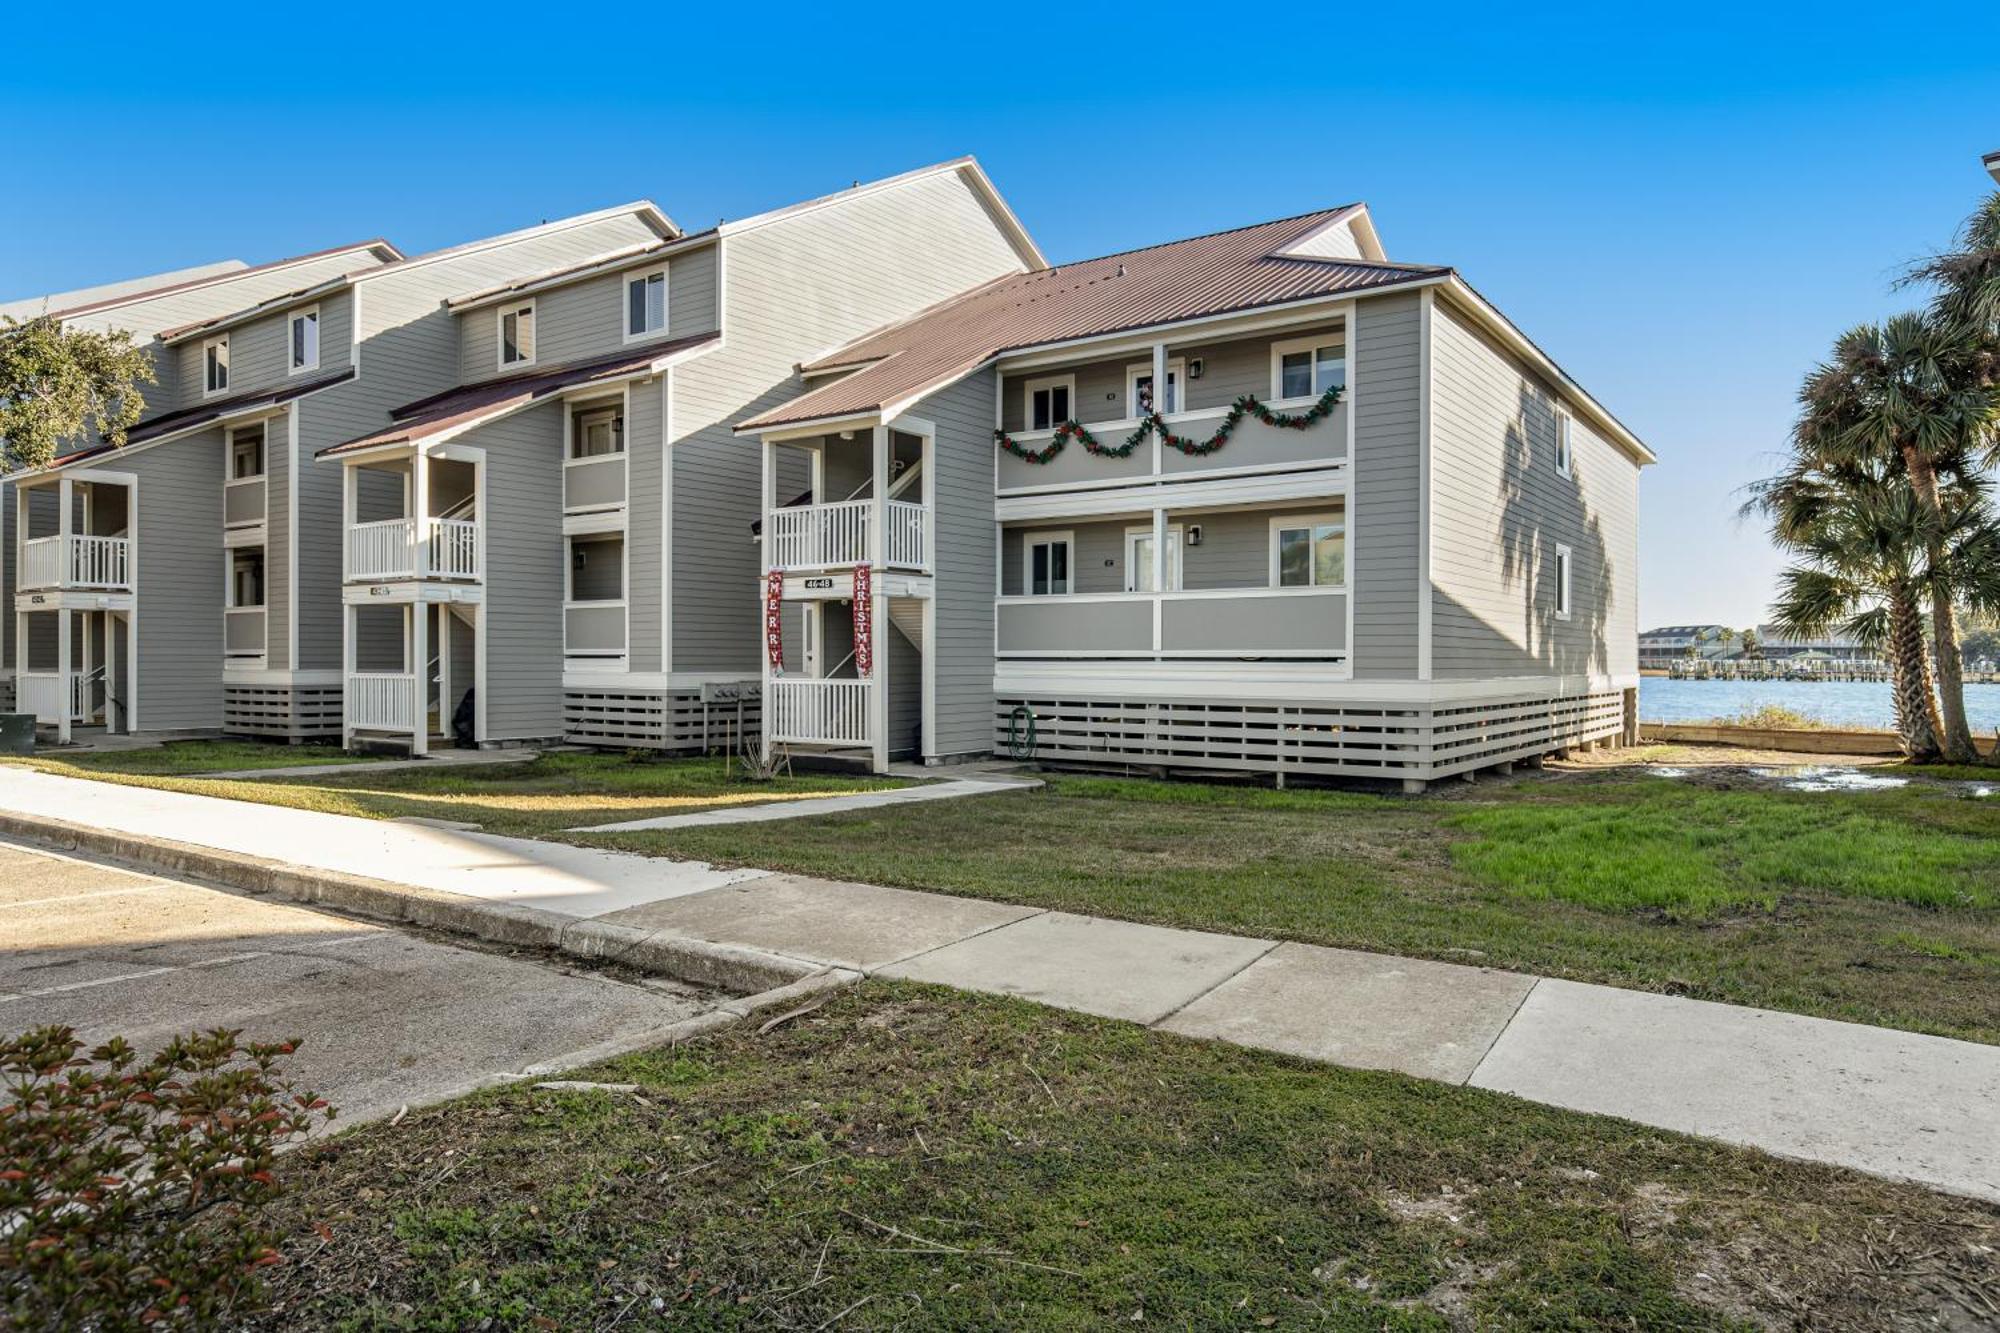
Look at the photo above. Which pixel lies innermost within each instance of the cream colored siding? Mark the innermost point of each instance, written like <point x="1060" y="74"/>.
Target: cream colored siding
<point x="792" y="288"/>
<point x="1383" y="546"/>
<point x="1500" y="508"/>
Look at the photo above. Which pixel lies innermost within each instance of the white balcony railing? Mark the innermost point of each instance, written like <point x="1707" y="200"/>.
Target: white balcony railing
<point x="76" y="562"/>
<point x="381" y="701"/>
<point x="817" y="712"/>
<point x="388" y="549"/>
<point x="831" y="535"/>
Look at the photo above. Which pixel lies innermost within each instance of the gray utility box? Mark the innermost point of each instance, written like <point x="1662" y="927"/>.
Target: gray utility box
<point x="17" y="733"/>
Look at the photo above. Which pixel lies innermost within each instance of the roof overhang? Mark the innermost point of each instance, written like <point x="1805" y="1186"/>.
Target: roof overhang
<point x="284" y="300"/>
<point x="1992" y="161"/>
<point x="384" y="251"/>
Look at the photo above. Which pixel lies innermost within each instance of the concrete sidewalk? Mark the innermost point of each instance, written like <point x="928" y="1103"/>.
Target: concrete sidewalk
<point x="1894" y="1103"/>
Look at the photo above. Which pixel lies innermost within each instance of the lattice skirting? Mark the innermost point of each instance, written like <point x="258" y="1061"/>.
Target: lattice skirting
<point x="655" y="720"/>
<point x="1334" y="740"/>
<point x="290" y="712"/>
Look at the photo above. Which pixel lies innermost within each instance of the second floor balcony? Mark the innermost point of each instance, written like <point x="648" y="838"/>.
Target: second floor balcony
<point x="76" y="562"/>
<point x="412" y="548"/>
<point x="836" y="536"/>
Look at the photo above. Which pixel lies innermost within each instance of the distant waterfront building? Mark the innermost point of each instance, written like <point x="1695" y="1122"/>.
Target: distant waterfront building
<point x="1660" y="648"/>
<point x="1833" y="646"/>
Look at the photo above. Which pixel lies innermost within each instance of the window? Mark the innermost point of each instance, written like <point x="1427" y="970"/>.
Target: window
<point x="1048" y="402"/>
<point x="246" y="455"/>
<point x="1565" y="445"/>
<point x="1309" y="551"/>
<point x="305" y="339"/>
<point x="246" y="576"/>
<point x="1563" y="563"/>
<point x="1139" y="388"/>
<point x="215" y="366"/>
<point x="1139" y="559"/>
<point x="517" y="335"/>
<point x="1308" y="367"/>
<point x="645" y="304"/>
<point x="598" y="434"/>
<point x="1049" y="564"/>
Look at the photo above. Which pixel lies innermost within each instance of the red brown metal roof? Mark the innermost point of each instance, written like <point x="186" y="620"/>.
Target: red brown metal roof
<point x="1216" y="274"/>
<point x="454" y="408"/>
<point x="187" y="418"/>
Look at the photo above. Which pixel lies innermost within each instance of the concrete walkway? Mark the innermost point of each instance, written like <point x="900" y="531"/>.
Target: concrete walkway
<point x="1894" y="1103"/>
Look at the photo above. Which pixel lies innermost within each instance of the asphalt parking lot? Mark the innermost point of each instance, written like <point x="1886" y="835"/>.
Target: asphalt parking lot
<point x="386" y="1017"/>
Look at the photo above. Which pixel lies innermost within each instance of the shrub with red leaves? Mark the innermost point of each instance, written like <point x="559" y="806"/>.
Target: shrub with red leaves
<point x="129" y="1187"/>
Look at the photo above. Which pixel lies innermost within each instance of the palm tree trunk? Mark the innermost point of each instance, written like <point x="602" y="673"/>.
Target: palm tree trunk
<point x="1916" y="711"/>
<point x="1954" y="734"/>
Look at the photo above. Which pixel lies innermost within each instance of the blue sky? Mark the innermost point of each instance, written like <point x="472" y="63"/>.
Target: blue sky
<point x="1683" y="208"/>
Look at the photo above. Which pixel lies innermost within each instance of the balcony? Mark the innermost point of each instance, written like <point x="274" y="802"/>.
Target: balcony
<point x="77" y="562"/>
<point x="594" y="629"/>
<point x="1226" y="623"/>
<point x="805" y="711"/>
<point x="594" y="483"/>
<point x="243" y="632"/>
<point x="380" y="701"/>
<point x="243" y="502"/>
<point x="832" y="536"/>
<point x="390" y="549"/>
<point x="1255" y="446"/>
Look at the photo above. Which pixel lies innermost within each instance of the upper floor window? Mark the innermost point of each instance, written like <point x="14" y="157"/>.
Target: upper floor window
<point x="1308" y="367"/>
<point x="645" y="304"/>
<point x="1309" y="551"/>
<point x="598" y="434"/>
<point x="246" y="576"/>
<point x="246" y="455"/>
<point x="305" y="339"/>
<point x="1139" y="388"/>
<point x="1565" y="445"/>
<point x="1047" y="402"/>
<point x="215" y="365"/>
<point x="1048" y="564"/>
<point x="1563" y="562"/>
<point x="517" y="335"/>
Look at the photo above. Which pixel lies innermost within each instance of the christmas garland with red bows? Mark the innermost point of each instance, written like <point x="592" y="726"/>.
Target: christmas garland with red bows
<point x="1247" y="406"/>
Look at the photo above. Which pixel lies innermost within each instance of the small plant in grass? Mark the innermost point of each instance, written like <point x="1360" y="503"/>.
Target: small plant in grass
<point x="1773" y="717"/>
<point x="130" y="1188"/>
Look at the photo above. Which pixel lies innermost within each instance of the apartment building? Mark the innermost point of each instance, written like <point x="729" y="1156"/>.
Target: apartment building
<point x="1262" y="500"/>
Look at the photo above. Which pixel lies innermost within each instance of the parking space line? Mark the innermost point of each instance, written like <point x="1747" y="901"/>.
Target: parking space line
<point x="222" y="961"/>
<point x="79" y="897"/>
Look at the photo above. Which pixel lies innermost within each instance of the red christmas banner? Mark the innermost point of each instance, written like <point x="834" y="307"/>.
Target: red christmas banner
<point x="774" y="620"/>
<point x="864" y="621"/>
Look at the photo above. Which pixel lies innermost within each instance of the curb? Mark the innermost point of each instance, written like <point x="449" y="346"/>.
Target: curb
<point x="726" y="967"/>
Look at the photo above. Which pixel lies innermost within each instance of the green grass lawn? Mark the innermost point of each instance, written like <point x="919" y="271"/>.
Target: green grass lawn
<point x="908" y="1158"/>
<point x="537" y="798"/>
<point x="202" y="757"/>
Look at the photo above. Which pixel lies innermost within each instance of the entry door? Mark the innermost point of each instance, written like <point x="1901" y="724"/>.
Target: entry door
<point x="1139" y="559"/>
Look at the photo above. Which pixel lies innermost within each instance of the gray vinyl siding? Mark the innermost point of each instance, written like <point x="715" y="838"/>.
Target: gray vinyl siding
<point x="794" y="287"/>
<point x="1500" y="508"/>
<point x="961" y="642"/>
<point x="7" y="504"/>
<point x="524" y="574"/>
<point x="586" y="318"/>
<point x="320" y="542"/>
<point x="179" y="586"/>
<point x="278" y="480"/>
<point x="905" y="674"/>
<point x="1235" y="549"/>
<point x="1383" y="542"/>
<point x="645" y="458"/>
<point x="260" y="350"/>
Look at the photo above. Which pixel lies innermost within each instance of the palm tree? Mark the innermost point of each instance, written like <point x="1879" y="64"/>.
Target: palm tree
<point x="1918" y="394"/>
<point x="1854" y="531"/>
<point x="1967" y="278"/>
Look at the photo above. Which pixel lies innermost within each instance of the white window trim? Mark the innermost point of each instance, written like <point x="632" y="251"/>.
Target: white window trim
<point x="500" y="334"/>
<point x="582" y="416"/>
<point x="1029" y="541"/>
<point x="1565" y="571"/>
<point x="1280" y="347"/>
<point x="625" y="303"/>
<point x="1332" y="519"/>
<point x="263" y="454"/>
<point x="1176" y="371"/>
<point x="1176" y="545"/>
<point x="292" y="319"/>
<point x="222" y="341"/>
<point x="1045" y="382"/>
<point x="1565" y="444"/>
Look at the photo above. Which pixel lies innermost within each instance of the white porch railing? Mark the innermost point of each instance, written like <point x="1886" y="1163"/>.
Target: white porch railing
<point x="387" y="549"/>
<point x="830" y="535"/>
<point x="909" y="525"/>
<point x="381" y="701"/>
<point x="817" y="712"/>
<point x="42" y="693"/>
<point x="76" y="562"/>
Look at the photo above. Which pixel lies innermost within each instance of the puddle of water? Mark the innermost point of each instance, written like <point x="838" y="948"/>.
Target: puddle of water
<point x="1820" y="777"/>
<point x="1666" y="771"/>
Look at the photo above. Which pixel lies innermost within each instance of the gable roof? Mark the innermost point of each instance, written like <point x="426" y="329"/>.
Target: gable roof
<point x="460" y="409"/>
<point x="28" y="307"/>
<point x="1218" y="273"/>
<point x="380" y="248"/>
